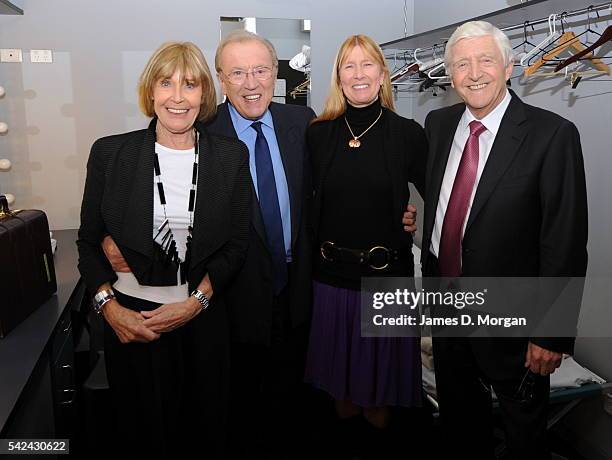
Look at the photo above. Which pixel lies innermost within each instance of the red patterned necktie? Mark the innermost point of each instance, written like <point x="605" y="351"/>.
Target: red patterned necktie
<point x="449" y="254"/>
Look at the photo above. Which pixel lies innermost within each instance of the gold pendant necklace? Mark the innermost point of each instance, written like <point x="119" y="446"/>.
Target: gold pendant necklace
<point x="355" y="142"/>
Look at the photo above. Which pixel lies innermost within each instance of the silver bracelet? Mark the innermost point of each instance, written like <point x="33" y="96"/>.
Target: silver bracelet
<point x="101" y="299"/>
<point x="200" y="297"/>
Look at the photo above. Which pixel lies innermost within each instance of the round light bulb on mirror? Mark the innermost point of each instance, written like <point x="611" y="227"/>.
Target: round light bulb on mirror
<point x="3" y="127"/>
<point x="2" y="92"/>
<point x="5" y="164"/>
<point x="10" y="198"/>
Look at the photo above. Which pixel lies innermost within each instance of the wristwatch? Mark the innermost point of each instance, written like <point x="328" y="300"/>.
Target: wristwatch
<point x="200" y="297"/>
<point x="101" y="299"/>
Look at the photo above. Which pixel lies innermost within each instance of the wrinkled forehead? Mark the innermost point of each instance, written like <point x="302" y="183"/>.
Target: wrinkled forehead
<point x="246" y="53"/>
<point x="474" y="47"/>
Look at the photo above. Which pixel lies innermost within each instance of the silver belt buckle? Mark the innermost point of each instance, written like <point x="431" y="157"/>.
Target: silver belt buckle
<point x="380" y="248"/>
<point x="324" y="245"/>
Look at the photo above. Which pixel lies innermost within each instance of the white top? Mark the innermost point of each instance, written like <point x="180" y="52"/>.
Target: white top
<point x="485" y="143"/>
<point x="176" y="169"/>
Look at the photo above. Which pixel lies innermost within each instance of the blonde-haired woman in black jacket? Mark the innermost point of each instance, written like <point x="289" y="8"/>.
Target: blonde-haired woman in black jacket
<point x="363" y="156"/>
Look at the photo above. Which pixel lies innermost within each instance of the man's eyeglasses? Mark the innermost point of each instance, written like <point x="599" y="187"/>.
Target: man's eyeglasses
<point x="238" y="77"/>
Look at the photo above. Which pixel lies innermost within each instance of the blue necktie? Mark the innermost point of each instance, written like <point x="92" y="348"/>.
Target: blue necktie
<point x="270" y="209"/>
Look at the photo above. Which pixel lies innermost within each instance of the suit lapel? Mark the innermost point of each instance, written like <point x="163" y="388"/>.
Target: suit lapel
<point x="287" y="139"/>
<point x="442" y="138"/>
<point x="510" y="135"/>
<point x="139" y="213"/>
<point x="205" y="239"/>
<point x="222" y="124"/>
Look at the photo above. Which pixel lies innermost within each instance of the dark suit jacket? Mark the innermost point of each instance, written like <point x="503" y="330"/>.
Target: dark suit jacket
<point x="118" y="200"/>
<point x="529" y="215"/>
<point x="250" y="296"/>
<point x="404" y="151"/>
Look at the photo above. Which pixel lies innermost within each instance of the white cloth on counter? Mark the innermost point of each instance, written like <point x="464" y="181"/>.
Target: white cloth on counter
<point x="572" y="375"/>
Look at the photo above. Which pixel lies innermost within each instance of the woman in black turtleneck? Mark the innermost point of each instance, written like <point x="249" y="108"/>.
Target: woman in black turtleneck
<point x="363" y="156"/>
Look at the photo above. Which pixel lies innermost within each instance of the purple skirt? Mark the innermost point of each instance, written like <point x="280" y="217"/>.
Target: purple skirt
<point x="369" y="371"/>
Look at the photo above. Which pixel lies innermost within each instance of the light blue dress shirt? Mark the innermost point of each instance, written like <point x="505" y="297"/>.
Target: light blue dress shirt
<point x="248" y="135"/>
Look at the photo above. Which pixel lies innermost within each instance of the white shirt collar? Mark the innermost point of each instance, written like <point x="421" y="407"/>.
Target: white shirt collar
<point x="492" y="120"/>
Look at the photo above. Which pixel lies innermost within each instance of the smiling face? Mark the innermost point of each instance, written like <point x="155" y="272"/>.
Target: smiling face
<point x="360" y="77"/>
<point x="479" y="73"/>
<point x="252" y="97"/>
<point x="176" y="101"/>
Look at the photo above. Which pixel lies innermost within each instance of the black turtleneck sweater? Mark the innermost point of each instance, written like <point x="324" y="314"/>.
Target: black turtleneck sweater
<point x="357" y="198"/>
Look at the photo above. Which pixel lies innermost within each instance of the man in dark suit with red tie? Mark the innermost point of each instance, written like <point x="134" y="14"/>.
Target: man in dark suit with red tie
<point x="506" y="197"/>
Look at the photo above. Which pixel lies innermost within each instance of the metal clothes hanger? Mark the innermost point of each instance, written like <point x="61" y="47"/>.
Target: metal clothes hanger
<point x="525" y="41"/>
<point x="551" y="37"/>
<point x="437" y="72"/>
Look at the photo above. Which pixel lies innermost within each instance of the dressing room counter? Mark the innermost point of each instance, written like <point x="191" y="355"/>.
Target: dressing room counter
<point x="37" y="394"/>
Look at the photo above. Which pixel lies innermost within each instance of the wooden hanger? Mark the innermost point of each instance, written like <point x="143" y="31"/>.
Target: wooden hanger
<point x="605" y="37"/>
<point x="567" y="40"/>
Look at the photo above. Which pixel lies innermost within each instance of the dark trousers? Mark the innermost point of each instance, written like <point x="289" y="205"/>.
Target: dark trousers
<point x="169" y="396"/>
<point x="464" y="395"/>
<point x="269" y="402"/>
<point x="466" y="370"/>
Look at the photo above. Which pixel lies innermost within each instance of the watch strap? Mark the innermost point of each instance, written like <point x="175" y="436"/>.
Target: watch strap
<point x="201" y="297"/>
<point x="101" y="299"/>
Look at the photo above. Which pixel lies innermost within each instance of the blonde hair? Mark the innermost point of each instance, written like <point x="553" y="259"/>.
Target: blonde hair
<point x="190" y="62"/>
<point x="243" y="36"/>
<point x="335" y="105"/>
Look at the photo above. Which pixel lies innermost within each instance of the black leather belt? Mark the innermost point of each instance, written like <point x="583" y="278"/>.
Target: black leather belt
<point x="377" y="257"/>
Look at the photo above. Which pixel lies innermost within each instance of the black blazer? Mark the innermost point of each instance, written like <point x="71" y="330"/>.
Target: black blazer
<point x="529" y="216"/>
<point x="404" y="150"/>
<point x="250" y="297"/>
<point x="118" y="200"/>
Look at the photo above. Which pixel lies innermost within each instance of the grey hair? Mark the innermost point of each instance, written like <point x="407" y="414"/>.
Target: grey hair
<point x="241" y="36"/>
<point x="478" y="29"/>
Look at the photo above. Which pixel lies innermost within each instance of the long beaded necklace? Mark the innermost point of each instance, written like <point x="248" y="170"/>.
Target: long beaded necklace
<point x="164" y="236"/>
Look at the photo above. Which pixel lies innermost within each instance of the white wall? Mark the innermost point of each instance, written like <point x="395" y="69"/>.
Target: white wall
<point x="430" y="15"/>
<point x="285" y="34"/>
<point x="55" y="111"/>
